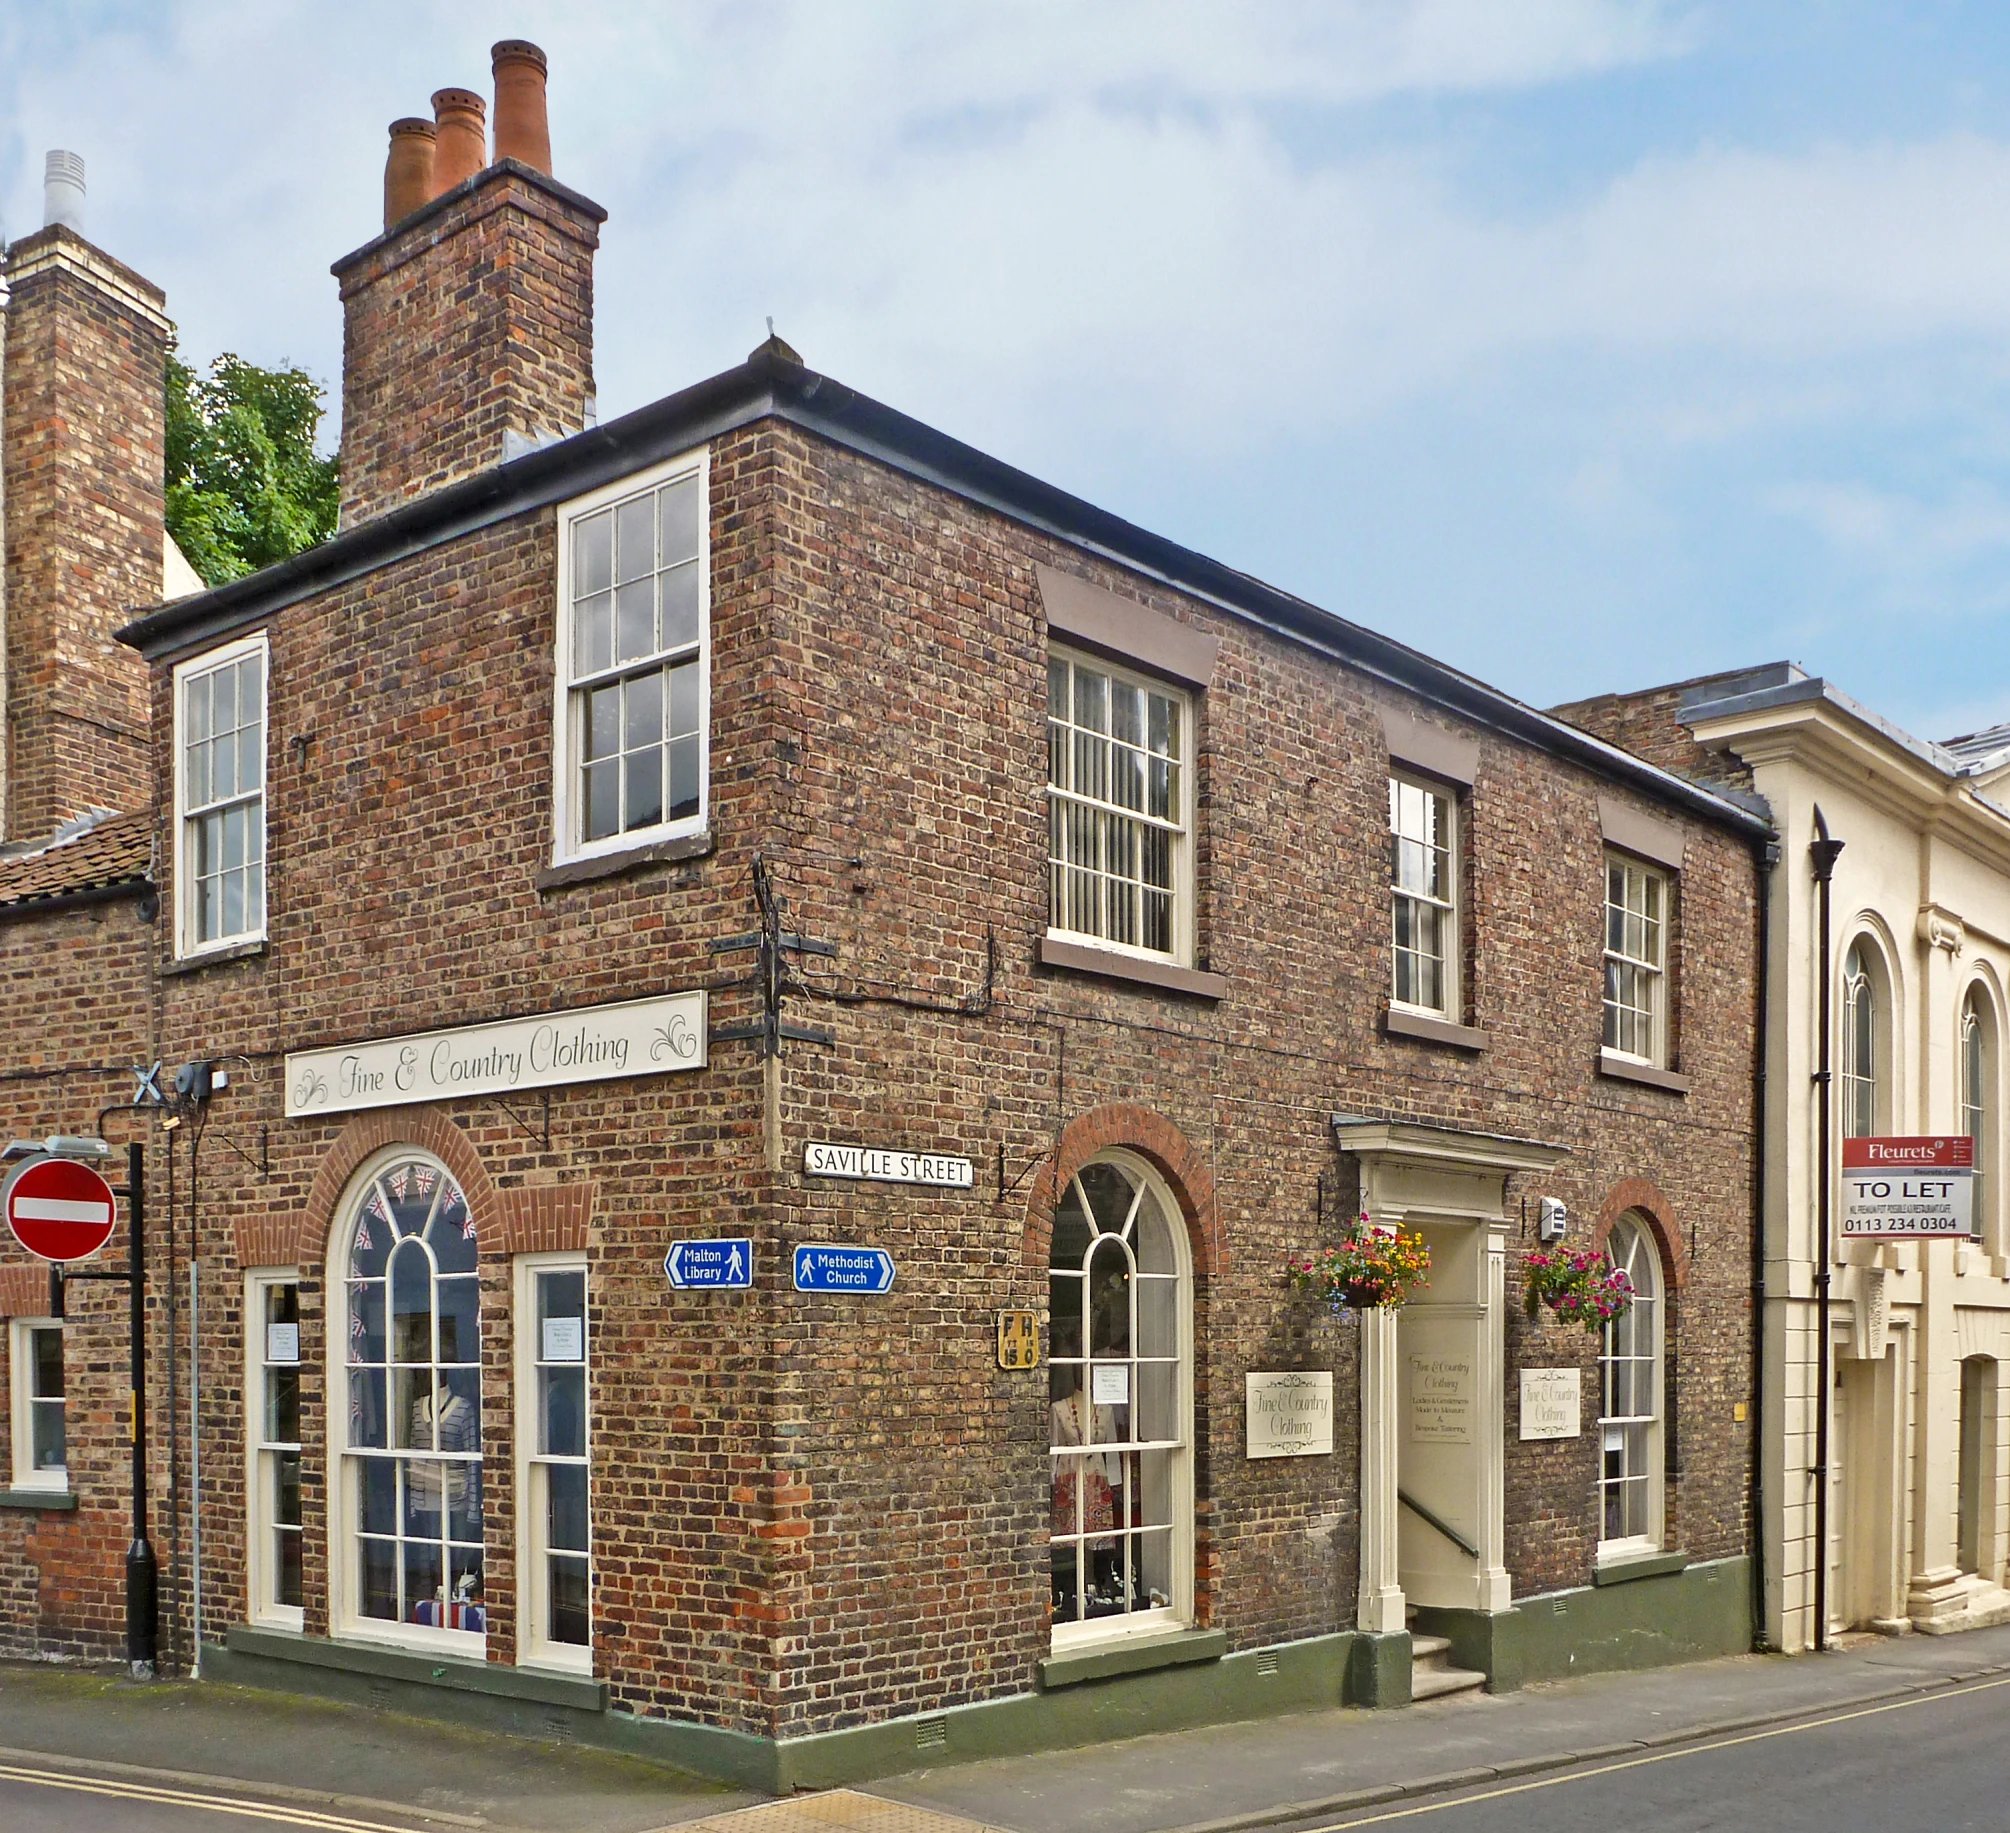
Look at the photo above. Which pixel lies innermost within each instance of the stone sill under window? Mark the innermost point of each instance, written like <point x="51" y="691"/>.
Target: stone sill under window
<point x="1141" y="1654"/>
<point x="1624" y="1069"/>
<point x="248" y="950"/>
<point x="1083" y="958"/>
<point x="628" y="859"/>
<point x="420" y="1667"/>
<point x="1639" y="1565"/>
<point x="1426" y="1030"/>
<point x="38" y="1498"/>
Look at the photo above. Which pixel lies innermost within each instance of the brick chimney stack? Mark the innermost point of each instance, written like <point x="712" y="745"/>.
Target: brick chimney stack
<point x="82" y="468"/>
<point x="468" y="324"/>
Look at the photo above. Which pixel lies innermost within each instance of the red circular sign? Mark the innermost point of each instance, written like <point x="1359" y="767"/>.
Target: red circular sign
<point x="59" y="1209"/>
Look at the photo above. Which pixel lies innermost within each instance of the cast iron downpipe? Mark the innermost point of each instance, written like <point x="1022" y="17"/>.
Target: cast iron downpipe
<point x="1765" y="860"/>
<point x="1823" y="851"/>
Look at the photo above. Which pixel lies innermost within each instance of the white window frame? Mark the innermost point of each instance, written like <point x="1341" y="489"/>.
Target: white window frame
<point x="534" y="1647"/>
<point x="1871" y="984"/>
<point x="1181" y="954"/>
<point x="1452" y="1010"/>
<point x="20" y="1387"/>
<point x="1975" y="1079"/>
<point x="1656" y="969"/>
<point x="1094" y="1631"/>
<point x="567" y="724"/>
<point x="187" y="946"/>
<point x="1631" y="1546"/>
<point x="346" y="1620"/>
<point x="260" y="1567"/>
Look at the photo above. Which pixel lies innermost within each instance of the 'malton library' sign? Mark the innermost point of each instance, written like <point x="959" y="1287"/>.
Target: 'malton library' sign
<point x="638" y="1037"/>
<point x="1907" y="1189"/>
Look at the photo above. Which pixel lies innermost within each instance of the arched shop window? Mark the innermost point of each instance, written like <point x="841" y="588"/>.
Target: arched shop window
<point x="1630" y="1388"/>
<point x="1119" y="1406"/>
<point x="1978" y="1074"/>
<point x="408" y="1516"/>
<point x="1860" y="1102"/>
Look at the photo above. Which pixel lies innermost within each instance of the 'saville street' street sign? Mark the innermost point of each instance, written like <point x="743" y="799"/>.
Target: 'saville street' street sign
<point x="1908" y="1189"/>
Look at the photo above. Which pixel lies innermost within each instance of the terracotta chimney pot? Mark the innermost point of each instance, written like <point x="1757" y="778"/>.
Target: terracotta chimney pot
<point x="522" y="131"/>
<point x="461" y="120"/>
<point x="408" y="168"/>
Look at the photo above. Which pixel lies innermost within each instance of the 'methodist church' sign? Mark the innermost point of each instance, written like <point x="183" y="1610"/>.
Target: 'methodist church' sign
<point x="637" y="1037"/>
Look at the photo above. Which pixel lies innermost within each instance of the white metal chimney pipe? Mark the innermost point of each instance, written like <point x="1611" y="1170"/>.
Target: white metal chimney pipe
<point x="63" y="190"/>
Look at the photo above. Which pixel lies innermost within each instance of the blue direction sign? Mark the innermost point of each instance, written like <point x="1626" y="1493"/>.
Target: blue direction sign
<point x="710" y="1265"/>
<point x="843" y="1269"/>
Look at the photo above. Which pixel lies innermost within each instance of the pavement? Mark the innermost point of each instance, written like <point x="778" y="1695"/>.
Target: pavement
<point x="386" y="1768"/>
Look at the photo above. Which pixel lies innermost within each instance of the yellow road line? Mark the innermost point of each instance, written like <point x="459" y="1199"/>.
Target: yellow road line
<point x="1657" y="1756"/>
<point x="190" y="1798"/>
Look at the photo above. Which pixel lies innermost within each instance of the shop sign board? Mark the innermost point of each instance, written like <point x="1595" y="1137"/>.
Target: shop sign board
<point x="837" y="1268"/>
<point x="634" y="1037"/>
<point x="1908" y="1188"/>
<point x="1288" y="1413"/>
<point x="710" y="1266"/>
<point x="868" y="1164"/>
<point x="59" y="1209"/>
<point x="1552" y="1403"/>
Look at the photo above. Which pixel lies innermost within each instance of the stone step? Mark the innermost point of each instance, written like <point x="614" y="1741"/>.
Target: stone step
<point x="1434" y="1683"/>
<point x="1423" y="1648"/>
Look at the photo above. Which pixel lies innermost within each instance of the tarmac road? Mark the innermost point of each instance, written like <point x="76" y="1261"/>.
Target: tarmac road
<point x="1934" y="1764"/>
<point x="36" y="1800"/>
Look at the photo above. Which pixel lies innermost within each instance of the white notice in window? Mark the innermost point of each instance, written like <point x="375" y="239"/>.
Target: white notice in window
<point x="1110" y="1384"/>
<point x="282" y="1342"/>
<point x="564" y="1340"/>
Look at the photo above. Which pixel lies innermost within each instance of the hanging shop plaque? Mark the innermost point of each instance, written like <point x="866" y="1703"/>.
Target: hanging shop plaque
<point x="1441" y="1400"/>
<point x="1907" y="1189"/>
<point x="1018" y="1339"/>
<point x="843" y="1269"/>
<point x="868" y="1164"/>
<point x="710" y="1266"/>
<point x="1552" y="1403"/>
<point x="1289" y="1413"/>
<point x="637" y="1037"/>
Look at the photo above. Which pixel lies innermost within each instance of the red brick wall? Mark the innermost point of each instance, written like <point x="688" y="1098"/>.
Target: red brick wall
<point x="812" y="1512"/>
<point x="83" y="444"/>
<point x="470" y="319"/>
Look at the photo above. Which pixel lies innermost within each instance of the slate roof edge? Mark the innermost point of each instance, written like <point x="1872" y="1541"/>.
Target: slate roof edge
<point x="767" y="386"/>
<point x="1815" y="687"/>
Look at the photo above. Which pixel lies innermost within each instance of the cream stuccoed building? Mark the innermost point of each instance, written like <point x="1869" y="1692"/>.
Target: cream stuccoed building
<point x="1917" y="1517"/>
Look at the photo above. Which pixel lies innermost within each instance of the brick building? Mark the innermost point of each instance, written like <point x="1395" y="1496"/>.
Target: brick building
<point x="762" y="820"/>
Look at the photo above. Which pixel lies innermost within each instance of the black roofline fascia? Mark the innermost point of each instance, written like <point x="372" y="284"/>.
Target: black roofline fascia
<point x="115" y="892"/>
<point x="766" y="385"/>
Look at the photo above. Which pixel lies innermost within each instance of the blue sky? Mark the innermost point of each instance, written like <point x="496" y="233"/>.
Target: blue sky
<point x="1583" y="343"/>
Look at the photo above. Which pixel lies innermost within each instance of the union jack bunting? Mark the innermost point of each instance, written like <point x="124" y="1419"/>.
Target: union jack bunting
<point x="424" y="1177"/>
<point x="377" y="1208"/>
<point x="399" y="1179"/>
<point x="362" y="1234"/>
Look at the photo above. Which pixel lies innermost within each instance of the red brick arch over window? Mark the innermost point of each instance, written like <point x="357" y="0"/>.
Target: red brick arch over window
<point x="301" y="1239"/>
<point x="1153" y="1138"/>
<point x="1641" y="1195"/>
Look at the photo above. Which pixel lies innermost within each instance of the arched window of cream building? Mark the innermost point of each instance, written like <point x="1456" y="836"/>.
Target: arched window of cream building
<point x="1629" y="1406"/>
<point x="1120" y="1394"/>
<point x="1862" y="1030"/>
<point x="1978" y="1067"/>
<point x="405" y="1518"/>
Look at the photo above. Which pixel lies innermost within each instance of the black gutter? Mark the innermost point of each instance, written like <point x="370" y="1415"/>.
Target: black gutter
<point x="766" y="386"/>
<point x="76" y="900"/>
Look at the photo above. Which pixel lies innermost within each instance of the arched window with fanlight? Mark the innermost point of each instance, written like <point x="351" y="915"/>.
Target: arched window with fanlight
<point x="406" y="1518"/>
<point x="1120" y="1406"/>
<point x="1860" y="1028"/>
<point x="1630" y="1400"/>
<point x="1978" y="1072"/>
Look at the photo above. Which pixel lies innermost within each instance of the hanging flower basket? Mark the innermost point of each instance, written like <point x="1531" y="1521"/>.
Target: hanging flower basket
<point x="1581" y="1286"/>
<point x="1370" y="1270"/>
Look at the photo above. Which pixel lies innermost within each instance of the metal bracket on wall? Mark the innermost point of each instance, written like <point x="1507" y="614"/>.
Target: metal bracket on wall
<point x="772" y="976"/>
<point x="262" y="1164"/>
<point x="540" y="1138"/>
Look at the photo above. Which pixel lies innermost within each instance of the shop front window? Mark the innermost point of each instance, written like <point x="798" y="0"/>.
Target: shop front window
<point x="1119" y="1407"/>
<point x="554" y="1433"/>
<point x="273" y="1397"/>
<point x="1629" y="1425"/>
<point x="410" y="1513"/>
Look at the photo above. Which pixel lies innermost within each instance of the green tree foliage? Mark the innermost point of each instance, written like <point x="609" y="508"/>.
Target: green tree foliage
<point x="245" y="486"/>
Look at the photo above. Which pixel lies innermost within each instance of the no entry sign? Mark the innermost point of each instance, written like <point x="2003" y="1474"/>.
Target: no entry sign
<point x="1914" y="1188"/>
<point x="59" y="1209"/>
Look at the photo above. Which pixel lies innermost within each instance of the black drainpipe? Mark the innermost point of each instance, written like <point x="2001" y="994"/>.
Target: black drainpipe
<point x="1823" y="851"/>
<point x="1764" y="859"/>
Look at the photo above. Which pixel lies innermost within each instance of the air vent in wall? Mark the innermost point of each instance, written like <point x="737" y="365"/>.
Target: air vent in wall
<point x="1266" y="1662"/>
